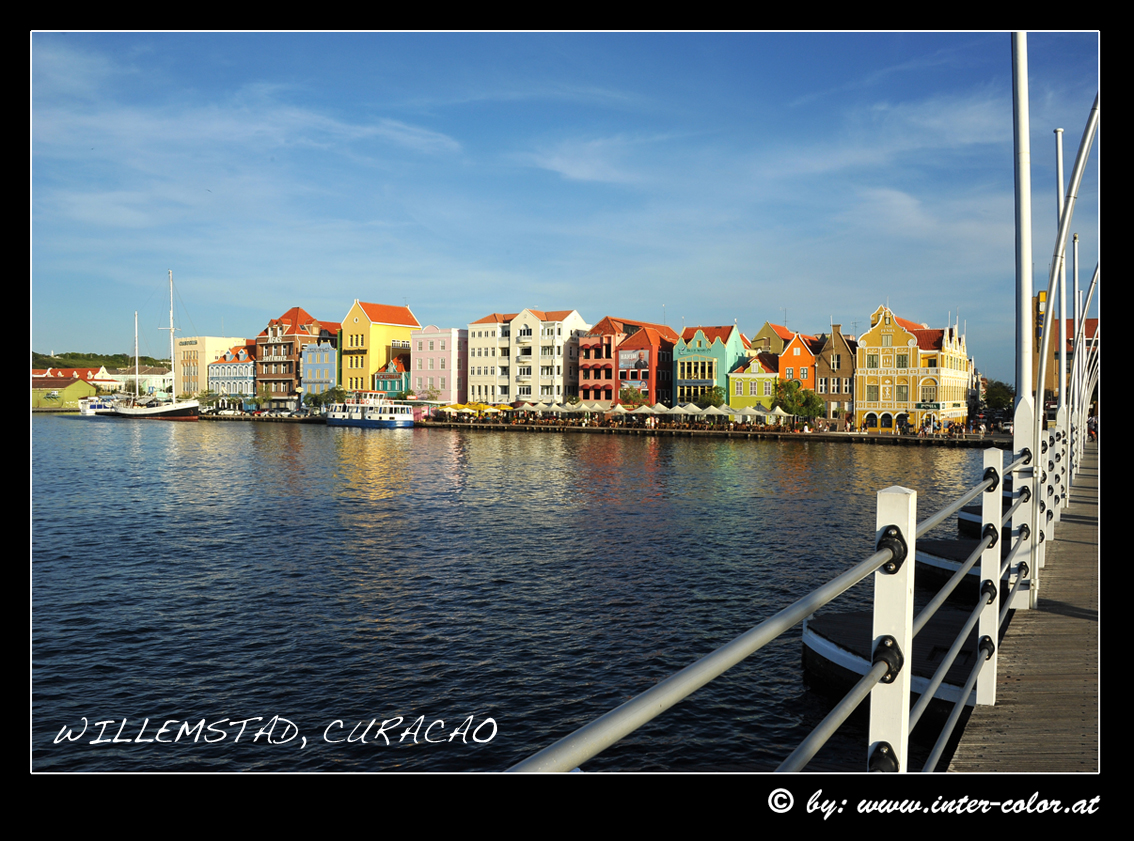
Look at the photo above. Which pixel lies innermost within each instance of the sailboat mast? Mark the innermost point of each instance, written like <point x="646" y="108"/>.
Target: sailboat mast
<point x="137" y="366"/>
<point x="172" y="361"/>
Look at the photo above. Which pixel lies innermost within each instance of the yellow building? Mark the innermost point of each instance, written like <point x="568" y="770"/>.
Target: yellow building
<point x="373" y="334"/>
<point x="908" y="375"/>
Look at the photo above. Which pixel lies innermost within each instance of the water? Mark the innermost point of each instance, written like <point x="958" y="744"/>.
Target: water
<point x="313" y="578"/>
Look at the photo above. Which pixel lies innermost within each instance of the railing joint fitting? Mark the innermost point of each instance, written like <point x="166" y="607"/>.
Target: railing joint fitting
<point x="991" y="532"/>
<point x="987" y="646"/>
<point x="888" y="652"/>
<point x="892" y="539"/>
<point x="994" y="476"/>
<point x="883" y="758"/>
<point x="988" y="590"/>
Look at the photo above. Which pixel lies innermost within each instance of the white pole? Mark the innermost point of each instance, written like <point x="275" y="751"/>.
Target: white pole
<point x="1023" y="162"/>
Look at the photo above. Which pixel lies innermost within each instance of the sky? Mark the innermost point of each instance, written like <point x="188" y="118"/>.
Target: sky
<point x="683" y="178"/>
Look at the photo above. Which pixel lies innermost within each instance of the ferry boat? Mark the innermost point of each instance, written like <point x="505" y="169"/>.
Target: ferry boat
<point x="372" y="410"/>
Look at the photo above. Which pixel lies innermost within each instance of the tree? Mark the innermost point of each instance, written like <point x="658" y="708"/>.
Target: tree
<point x="632" y="396"/>
<point x="999" y="395"/>
<point x="797" y="400"/>
<point x="714" y="396"/>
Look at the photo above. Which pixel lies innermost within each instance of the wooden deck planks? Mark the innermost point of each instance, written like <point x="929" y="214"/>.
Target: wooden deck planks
<point x="1046" y="716"/>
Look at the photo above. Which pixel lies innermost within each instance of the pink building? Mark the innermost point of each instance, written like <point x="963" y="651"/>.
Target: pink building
<point x="437" y="358"/>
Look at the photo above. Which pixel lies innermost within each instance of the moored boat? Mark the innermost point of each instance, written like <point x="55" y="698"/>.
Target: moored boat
<point x="371" y="410"/>
<point x="153" y="408"/>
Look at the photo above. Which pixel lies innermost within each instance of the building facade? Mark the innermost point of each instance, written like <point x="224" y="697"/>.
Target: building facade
<point x="372" y="335"/>
<point x="279" y="355"/>
<point x="834" y="372"/>
<point x="234" y="374"/>
<point x="437" y="358"/>
<point x="618" y="353"/>
<point x="194" y="355"/>
<point x="907" y="374"/>
<point x="752" y="383"/>
<point x="703" y="358"/>
<point x="530" y="356"/>
<point x="320" y="364"/>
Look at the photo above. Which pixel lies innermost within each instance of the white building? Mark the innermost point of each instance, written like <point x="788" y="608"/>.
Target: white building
<point x="530" y="356"/>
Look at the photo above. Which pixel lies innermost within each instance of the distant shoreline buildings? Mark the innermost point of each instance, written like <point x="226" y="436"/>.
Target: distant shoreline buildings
<point x="898" y="374"/>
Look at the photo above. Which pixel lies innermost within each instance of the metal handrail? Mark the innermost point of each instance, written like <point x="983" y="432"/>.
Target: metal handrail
<point x="834" y="719"/>
<point x="935" y="603"/>
<point x="947" y="663"/>
<point x="955" y="715"/>
<point x="928" y="524"/>
<point x="591" y="739"/>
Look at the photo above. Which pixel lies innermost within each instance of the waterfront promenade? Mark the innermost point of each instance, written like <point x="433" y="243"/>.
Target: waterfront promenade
<point x="1046" y="717"/>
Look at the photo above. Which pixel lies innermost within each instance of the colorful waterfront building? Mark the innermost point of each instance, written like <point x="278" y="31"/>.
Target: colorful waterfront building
<point x="437" y="358"/>
<point x="703" y="358"/>
<point x="394" y="380"/>
<point x="194" y="355"/>
<point x="279" y="356"/>
<point x="320" y="367"/>
<point x="908" y="374"/>
<point x="372" y="336"/>
<point x="234" y="374"/>
<point x="618" y="353"/>
<point x="529" y="356"/>
<point x="834" y="372"/>
<point x="772" y="338"/>
<point x="797" y="360"/>
<point x="752" y="383"/>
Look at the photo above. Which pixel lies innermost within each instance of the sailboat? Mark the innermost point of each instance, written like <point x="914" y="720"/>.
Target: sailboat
<point x="153" y="409"/>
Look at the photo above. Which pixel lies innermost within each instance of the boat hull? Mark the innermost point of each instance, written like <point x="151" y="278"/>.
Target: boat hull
<point x="187" y="411"/>
<point x="370" y="423"/>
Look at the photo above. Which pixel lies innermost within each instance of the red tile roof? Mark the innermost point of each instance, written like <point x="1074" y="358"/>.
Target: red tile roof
<point x="389" y="314"/>
<point x="713" y="333"/>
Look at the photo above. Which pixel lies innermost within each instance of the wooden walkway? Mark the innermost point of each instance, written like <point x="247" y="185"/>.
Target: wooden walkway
<point x="1046" y="716"/>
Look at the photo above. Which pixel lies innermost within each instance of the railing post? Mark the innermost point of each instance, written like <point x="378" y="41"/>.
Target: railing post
<point x="992" y="510"/>
<point x="896" y="527"/>
<point x="1025" y="525"/>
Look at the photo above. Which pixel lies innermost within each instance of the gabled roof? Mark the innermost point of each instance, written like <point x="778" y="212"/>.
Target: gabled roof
<point x="389" y="314"/>
<point x="928" y="339"/>
<point x="767" y="363"/>
<point x="609" y="325"/>
<point x="714" y="333"/>
<point x="542" y="315"/>
<point x="495" y="318"/>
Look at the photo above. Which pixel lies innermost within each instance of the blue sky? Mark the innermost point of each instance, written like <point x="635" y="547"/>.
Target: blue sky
<point x="692" y="178"/>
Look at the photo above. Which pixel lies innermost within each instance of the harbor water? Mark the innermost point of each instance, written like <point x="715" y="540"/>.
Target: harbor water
<point x="287" y="585"/>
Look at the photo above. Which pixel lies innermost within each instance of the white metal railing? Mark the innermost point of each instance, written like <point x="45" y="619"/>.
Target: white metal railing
<point x="888" y="680"/>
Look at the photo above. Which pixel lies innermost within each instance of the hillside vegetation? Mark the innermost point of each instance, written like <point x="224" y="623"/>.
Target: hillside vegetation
<point x="90" y="360"/>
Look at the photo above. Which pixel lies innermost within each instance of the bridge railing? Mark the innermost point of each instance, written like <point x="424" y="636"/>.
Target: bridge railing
<point x="888" y="681"/>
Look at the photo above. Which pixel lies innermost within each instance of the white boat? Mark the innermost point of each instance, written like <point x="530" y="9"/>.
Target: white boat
<point x="91" y="406"/>
<point x="151" y="408"/>
<point x="371" y="410"/>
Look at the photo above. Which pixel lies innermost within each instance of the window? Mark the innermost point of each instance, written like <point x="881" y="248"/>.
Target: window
<point x="739" y="388"/>
<point x="752" y="388"/>
<point x="871" y="360"/>
<point x="887" y="340"/>
<point x="903" y="393"/>
<point x="903" y="360"/>
<point x="872" y="393"/>
<point x="789" y="373"/>
<point x="803" y="373"/>
<point x="834" y="362"/>
<point x="795" y="351"/>
<point x="821" y="385"/>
